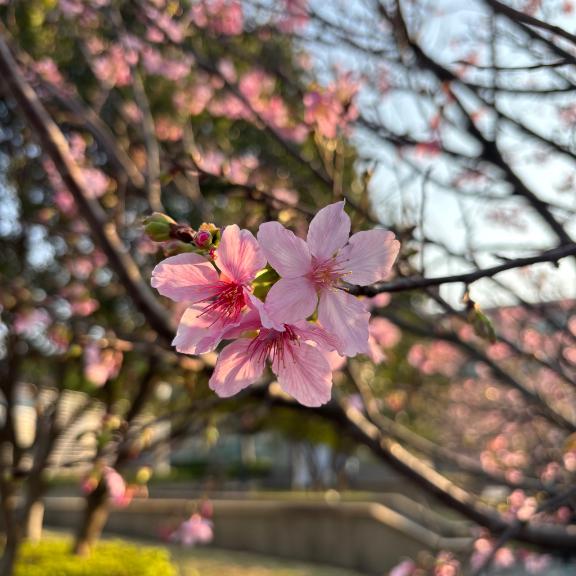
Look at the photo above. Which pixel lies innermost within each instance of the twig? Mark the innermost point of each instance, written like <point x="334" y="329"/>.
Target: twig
<point x="404" y="284"/>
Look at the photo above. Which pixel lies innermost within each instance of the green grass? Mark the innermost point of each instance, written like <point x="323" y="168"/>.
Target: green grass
<point x="52" y="557"/>
<point x="210" y="562"/>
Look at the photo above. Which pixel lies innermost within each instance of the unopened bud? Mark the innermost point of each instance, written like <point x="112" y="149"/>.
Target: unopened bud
<point x="158" y="227"/>
<point x="209" y="227"/>
<point x="214" y="231"/>
<point x="143" y="475"/>
<point x="203" y="239"/>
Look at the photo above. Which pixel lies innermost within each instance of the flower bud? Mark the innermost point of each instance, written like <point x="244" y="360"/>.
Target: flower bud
<point x="203" y="239"/>
<point x="143" y="475"/>
<point x="158" y="227"/>
<point x="89" y="484"/>
<point x="209" y="227"/>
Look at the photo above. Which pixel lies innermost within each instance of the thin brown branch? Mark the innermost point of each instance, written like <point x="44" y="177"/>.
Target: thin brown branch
<point x="431" y="449"/>
<point x="403" y="284"/>
<point x="518" y="16"/>
<point x="353" y="423"/>
<point x="532" y="398"/>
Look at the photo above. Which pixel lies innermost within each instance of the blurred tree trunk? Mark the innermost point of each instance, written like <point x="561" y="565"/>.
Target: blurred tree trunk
<point x="95" y="516"/>
<point x="12" y="526"/>
<point x="35" y="521"/>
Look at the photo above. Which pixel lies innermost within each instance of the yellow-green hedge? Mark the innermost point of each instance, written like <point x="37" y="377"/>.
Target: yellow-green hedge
<point x="52" y="557"/>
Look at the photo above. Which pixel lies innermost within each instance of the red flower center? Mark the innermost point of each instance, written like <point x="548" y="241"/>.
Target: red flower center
<point x="228" y="303"/>
<point x="273" y="343"/>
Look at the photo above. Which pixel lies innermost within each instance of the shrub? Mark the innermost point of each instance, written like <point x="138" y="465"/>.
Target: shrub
<point x="53" y="557"/>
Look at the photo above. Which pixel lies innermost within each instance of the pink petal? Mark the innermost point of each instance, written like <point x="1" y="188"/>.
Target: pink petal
<point x="374" y="351"/>
<point x="369" y="256"/>
<point x="185" y="278"/>
<point x="336" y="361"/>
<point x="329" y="231"/>
<point x="264" y="318"/>
<point x="385" y="332"/>
<point x="291" y="299"/>
<point x="286" y="253"/>
<point x="315" y="333"/>
<point x="248" y="322"/>
<point x="347" y="318"/>
<point x="379" y="301"/>
<point x="198" y="333"/>
<point x="236" y="369"/>
<point x="238" y="255"/>
<point x="304" y="373"/>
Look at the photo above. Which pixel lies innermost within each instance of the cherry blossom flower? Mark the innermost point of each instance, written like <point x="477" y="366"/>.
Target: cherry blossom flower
<point x="297" y="354"/>
<point x="294" y="16"/>
<point x="331" y="108"/>
<point x="405" y="568"/>
<point x="312" y="273"/>
<point x="112" y="68"/>
<point x="84" y="307"/>
<point x="324" y="111"/>
<point x="31" y="322"/>
<point x="120" y="494"/>
<point x="384" y="332"/>
<point x="216" y="298"/>
<point x="195" y="530"/>
<point x="221" y="16"/>
<point x="101" y="365"/>
<point x="196" y="97"/>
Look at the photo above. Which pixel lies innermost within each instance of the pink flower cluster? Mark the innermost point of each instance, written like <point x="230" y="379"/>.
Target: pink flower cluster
<point x="220" y="16"/>
<point x="120" y="493"/>
<point x="332" y="108"/>
<point x="310" y="279"/>
<point x="195" y="530"/>
<point x="101" y="365"/>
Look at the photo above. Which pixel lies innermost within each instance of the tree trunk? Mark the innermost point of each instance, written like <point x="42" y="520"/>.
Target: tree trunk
<point x="8" y="559"/>
<point x="12" y="527"/>
<point x="35" y="521"/>
<point x="95" y="517"/>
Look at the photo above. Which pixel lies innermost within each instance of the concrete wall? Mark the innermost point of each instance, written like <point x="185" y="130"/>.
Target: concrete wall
<point x="369" y="537"/>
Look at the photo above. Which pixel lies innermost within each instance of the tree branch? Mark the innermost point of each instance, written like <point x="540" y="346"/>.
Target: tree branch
<point x="404" y="284"/>
<point x="56" y="148"/>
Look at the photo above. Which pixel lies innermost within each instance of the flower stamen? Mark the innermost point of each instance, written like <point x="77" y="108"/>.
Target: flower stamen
<point x="274" y="344"/>
<point x="327" y="274"/>
<point x="228" y="303"/>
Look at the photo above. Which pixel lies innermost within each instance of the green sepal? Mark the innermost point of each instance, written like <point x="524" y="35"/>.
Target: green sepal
<point x="482" y="325"/>
<point x="264" y="280"/>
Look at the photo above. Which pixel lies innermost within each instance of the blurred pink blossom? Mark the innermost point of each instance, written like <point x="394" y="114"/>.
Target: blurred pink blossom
<point x="384" y="332"/>
<point x="31" y="321"/>
<point x="120" y="494"/>
<point x="195" y="98"/>
<point x="221" y="16"/>
<point x="112" y="67"/>
<point x="294" y="15"/>
<point x="168" y="129"/>
<point x="405" y="568"/>
<point x="101" y="365"/>
<point x="332" y="108"/>
<point x="85" y="307"/>
<point x="195" y="530"/>
<point x="284" y="197"/>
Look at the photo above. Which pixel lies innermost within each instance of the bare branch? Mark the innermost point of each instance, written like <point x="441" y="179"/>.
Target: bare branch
<point x="404" y="284"/>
